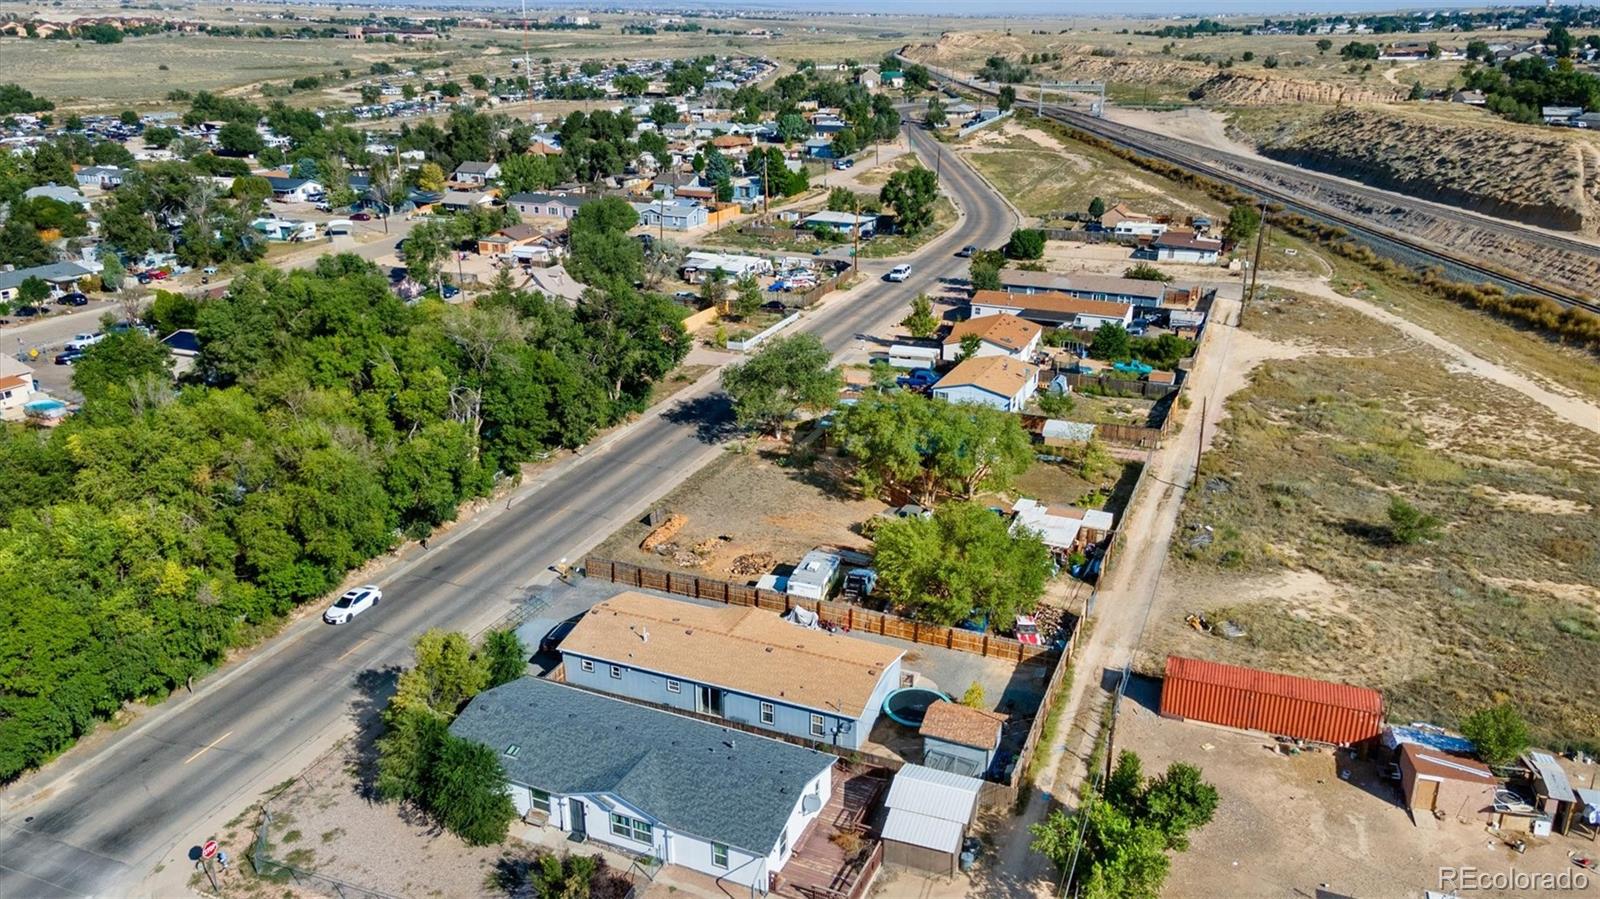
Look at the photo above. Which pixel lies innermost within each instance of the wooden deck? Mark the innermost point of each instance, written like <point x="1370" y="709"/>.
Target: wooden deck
<point x="818" y="869"/>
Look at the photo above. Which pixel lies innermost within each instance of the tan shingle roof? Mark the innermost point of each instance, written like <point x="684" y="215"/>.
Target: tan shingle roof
<point x="962" y="725"/>
<point x="1000" y="375"/>
<point x="1058" y="303"/>
<point x="1004" y="330"/>
<point x="737" y="648"/>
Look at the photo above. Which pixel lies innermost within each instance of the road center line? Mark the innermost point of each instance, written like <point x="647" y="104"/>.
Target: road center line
<point x="364" y="642"/>
<point x="208" y="747"/>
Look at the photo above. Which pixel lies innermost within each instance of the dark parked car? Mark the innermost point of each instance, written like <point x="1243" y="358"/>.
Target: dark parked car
<point x="73" y="299"/>
<point x="69" y="357"/>
<point x="552" y="640"/>
<point x="775" y="306"/>
<point x="27" y="311"/>
<point x="360" y="216"/>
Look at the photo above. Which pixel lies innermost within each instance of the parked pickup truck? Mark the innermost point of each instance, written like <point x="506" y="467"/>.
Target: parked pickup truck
<point x="918" y="379"/>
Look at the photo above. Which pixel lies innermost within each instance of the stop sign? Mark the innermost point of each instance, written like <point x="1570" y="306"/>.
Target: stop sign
<point x="209" y="849"/>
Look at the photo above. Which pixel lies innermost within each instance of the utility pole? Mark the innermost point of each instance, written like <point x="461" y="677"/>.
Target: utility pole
<point x="1205" y="408"/>
<point x="1255" y="266"/>
<point x="855" y="229"/>
<point x="766" y="185"/>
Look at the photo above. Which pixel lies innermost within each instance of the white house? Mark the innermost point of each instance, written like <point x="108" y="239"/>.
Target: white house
<point x="61" y="277"/>
<point x="1052" y="309"/>
<point x="103" y="177"/>
<point x="1186" y="246"/>
<point x="16" y="387"/>
<point x="476" y="173"/>
<point x="998" y="335"/>
<point x="999" y="381"/>
<point x="69" y="195"/>
<point x="296" y="189"/>
<point x="698" y="262"/>
<point x="672" y="215"/>
<point x="548" y="205"/>
<point x="726" y="803"/>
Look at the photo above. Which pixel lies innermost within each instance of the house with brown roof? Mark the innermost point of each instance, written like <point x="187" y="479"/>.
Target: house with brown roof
<point x="507" y="238"/>
<point x="1186" y="246"/>
<point x="998" y="335"/>
<point x="999" y="381"/>
<point x="740" y="664"/>
<point x="960" y="739"/>
<point x="1052" y="309"/>
<point x="1120" y="213"/>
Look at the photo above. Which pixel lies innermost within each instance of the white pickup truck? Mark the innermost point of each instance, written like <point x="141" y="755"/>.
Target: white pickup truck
<point x="80" y="342"/>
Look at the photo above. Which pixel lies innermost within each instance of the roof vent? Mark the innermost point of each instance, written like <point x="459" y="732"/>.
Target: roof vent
<point x="512" y="750"/>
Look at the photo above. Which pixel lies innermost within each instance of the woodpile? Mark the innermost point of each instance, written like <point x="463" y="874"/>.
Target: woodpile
<point x="752" y="564"/>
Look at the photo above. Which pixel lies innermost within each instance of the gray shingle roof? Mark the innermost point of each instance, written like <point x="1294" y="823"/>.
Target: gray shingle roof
<point x="711" y="782"/>
<point x="55" y="272"/>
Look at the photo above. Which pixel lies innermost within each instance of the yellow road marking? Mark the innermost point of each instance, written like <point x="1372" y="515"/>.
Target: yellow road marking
<point x="364" y="642"/>
<point x="207" y="748"/>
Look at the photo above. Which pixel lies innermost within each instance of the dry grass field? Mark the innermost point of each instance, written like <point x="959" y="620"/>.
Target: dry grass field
<point x="1288" y="534"/>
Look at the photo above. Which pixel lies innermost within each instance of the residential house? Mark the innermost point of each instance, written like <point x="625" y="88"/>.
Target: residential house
<point x="184" y="347"/>
<point x="1432" y="780"/>
<point x="846" y="223"/>
<point x="1053" y="309"/>
<point x="892" y="78"/>
<point x="699" y="263"/>
<point x="928" y="814"/>
<point x="295" y="189"/>
<point x="960" y="739"/>
<point x="62" y="278"/>
<point x="548" y="205"/>
<point x="476" y="173"/>
<point x="725" y="803"/>
<point x="818" y="148"/>
<point x="734" y="145"/>
<point x="1119" y="213"/>
<point x="465" y="200"/>
<point x="1560" y="115"/>
<point x="1086" y="286"/>
<point x="1065" y="529"/>
<point x="1186" y="246"/>
<point x="742" y="664"/>
<point x="504" y="240"/>
<point x="673" y="215"/>
<point x="554" y="282"/>
<point x="103" y="177"/>
<point x="747" y="189"/>
<point x="999" y="381"/>
<point x="1470" y="98"/>
<point x="669" y="183"/>
<point x="69" y="195"/>
<point x="17" y="387"/>
<point x="998" y="335"/>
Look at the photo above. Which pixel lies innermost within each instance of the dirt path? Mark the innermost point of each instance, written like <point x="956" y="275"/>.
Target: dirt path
<point x="1393" y="75"/>
<point x="1573" y="409"/>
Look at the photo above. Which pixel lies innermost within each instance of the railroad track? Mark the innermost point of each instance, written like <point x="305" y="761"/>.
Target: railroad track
<point x="1395" y="244"/>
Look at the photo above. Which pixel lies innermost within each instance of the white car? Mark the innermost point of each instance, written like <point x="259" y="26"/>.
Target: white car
<point x="352" y="603"/>
<point x="899" y="273"/>
<point x="83" y="341"/>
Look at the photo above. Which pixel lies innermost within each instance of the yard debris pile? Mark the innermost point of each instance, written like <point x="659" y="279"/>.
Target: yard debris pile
<point x="752" y="564"/>
<point x="1050" y="619"/>
<point x="666" y="531"/>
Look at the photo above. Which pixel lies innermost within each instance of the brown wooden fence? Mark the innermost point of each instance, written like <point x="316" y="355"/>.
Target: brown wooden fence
<point x="851" y="618"/>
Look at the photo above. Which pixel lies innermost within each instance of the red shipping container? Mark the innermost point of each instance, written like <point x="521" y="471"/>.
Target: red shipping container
<point x="1281" y="704"/>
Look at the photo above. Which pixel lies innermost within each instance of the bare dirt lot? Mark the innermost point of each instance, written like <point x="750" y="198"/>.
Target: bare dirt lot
<point x="1288" y="535"/>
<point x="1295" y="825"/>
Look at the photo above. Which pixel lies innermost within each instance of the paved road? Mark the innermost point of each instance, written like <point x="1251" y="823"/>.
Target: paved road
<point x="100" y="820"/>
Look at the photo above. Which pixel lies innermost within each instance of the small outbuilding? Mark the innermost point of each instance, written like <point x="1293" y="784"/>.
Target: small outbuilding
<point x="960" y="739"/>
<point x="928" y="813"/>
<point x="1433" y="781"/>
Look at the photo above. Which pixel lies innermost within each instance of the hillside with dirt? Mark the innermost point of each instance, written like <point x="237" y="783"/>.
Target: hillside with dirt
<point x="1539" y="176"/>
<point x="1252" y="89"/>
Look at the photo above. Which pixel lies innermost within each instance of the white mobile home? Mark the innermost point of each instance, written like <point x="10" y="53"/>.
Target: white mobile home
<point x="816" y="575"/>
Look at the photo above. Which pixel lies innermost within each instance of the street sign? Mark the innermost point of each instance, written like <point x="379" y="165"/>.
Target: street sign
<point x="209" y="849"/>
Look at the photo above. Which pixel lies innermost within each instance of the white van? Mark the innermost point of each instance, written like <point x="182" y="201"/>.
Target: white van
<point x="899" y="273"/>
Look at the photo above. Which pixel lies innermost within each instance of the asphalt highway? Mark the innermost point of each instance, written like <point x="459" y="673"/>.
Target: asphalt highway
<point x="100" y="820"/>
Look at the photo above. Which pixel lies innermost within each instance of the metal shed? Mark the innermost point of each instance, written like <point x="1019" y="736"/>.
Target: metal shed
<point x="1281" y="704"/>
<point x="927" y="819"/>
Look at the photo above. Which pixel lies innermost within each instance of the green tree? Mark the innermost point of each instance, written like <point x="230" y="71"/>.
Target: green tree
<point x="1497" y="732"/>
<point x="467" y="791"/>
<point x="746" y="296"/>
<point x="960" y="561"/>
<point x="1243" y="220"/>
<point x="505" y="658"/>
<point x="1097" y="208"/>
<point x="1409" y="525"/>
<point x="240" y="139"/>
<point x="526" y="173"/>
<point x="1177" y="802"/>
<point x="601" y="252"/>
<point x="911" y="194"/>
<point x="1110" y="343"/>
<point x="172" y="311"/>
<point x="983" y="274"/>
<point x="111" y="272"/>
<point x="936" y="117"/>
<point x="1417" y="93"/>
<point x="1025" y="243"/>
<point x="714" y="289"/>
<point x="446" y="675"/>
<point x="408" y="752"/>
<point x="921" y="323"/>
<point x="121" y="362"/>
<point x="928" y="447"/>
<point x="785" y="375"/>
<point x="1324" y="45"/>
<point x="970" y="345"/>
<point x="427" y="248"/>
<point x="1007" y="97"/>
<point x="33" y="291"/>
<point x="793" y="128"/>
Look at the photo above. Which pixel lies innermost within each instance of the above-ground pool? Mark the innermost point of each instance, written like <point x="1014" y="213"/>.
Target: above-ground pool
<point x="46" y="408"/>
<point x="908" y="705"/>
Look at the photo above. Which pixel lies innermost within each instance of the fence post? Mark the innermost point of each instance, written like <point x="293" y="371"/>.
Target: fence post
<point x="986" y="646"/>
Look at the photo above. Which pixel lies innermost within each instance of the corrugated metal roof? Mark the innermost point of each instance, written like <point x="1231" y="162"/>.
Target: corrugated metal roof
<point x="1275" y="703"/>
<point x="939" y="794"/>
<point x="1287" y="685"/>
<point x="922" y="830"/>
<point x="1556" y="785"/>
